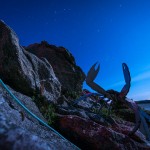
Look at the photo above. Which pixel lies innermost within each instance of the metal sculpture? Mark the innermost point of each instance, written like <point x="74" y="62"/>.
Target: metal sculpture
<point x="114" y="97"/>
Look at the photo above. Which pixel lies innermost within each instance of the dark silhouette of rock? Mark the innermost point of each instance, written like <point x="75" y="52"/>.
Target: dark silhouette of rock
<point x="69" y="74"/>
<point x="24" y="71"/>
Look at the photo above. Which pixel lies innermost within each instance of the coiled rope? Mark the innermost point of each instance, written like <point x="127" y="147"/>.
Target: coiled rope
<point x="33" y="115"/>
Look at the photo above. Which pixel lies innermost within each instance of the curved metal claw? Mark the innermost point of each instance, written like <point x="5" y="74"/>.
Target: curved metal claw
<point x="91" y="75"/>
<point x="127" y="78"/>
<point x="144" y="125"/>
<point x="135" y="108"/>
<point x="126" y="73"/>
<point x="140" y="120"/>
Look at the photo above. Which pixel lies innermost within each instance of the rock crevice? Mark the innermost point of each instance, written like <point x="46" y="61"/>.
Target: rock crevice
<point x="24" y="71"/>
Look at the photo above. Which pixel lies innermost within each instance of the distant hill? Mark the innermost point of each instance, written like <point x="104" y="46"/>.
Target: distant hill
<point x="143" y="102"/>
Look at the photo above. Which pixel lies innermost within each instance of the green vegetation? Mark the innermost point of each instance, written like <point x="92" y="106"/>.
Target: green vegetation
<point x="47" y="109"/>
<point x="104" y="111"/>
<point x="117" y="112"/>
<point x="49" y="114"/>
<point x="71" y="94"/>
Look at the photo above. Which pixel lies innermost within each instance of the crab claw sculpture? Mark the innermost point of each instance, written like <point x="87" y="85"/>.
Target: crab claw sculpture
<point x="93" y="73"/>
<point x="114" y="96"/>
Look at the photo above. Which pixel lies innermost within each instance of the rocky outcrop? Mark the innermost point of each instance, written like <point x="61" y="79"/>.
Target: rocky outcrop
<point x="90" y="128"/>
<point x="18" y="130"/>
<point x="82" y="122"/>
<point x="69" y="74"/>
<point x="88" y="134"/>
<point x="24" y="71"/>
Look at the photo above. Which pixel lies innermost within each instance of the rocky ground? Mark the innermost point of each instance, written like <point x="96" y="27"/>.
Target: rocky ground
<point x="18" y="130"/>
<point x="47" y="87"/>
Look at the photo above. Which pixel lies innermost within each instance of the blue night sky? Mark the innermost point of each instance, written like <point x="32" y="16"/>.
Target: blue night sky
<point x="108" y="31"/>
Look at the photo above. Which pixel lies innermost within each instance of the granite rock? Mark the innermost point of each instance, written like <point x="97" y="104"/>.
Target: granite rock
<point x="24" y="71"/>
<point x="69" y="74"/>
<point x="18" y="130"/>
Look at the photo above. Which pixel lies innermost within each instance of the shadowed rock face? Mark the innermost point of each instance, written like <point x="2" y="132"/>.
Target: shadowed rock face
<point x="24" y="71"/>
<point x="18" y="130"/>
<point x="89" y="128"/>
<point x="69" y="74"/>
<point x="88" y="134"/>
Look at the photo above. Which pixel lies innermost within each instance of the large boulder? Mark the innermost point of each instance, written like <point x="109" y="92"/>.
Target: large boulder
<point x="88" y="134"/>
<point x="18" y="130"/>
<point x="24" y="71"/>
<point x="69" y="74"/>
<point x="91" y="128"/>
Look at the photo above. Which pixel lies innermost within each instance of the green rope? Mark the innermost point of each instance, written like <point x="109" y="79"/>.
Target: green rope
<point x="33" y="115"/>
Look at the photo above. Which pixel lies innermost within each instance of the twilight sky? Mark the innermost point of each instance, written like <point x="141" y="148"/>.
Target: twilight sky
<point x="108" y="31"/>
